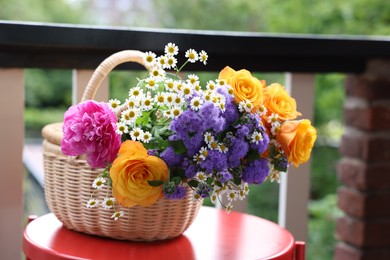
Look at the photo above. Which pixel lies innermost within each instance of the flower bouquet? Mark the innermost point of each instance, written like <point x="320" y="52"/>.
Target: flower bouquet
<point x="154" y="156"/>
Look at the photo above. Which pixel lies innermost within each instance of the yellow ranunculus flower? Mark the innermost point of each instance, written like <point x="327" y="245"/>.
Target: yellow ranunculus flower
<point x="277" y="100"/>
<point x="297" y="139"/>
<point x="245" y="86"/>
<point x="130" y="173"/>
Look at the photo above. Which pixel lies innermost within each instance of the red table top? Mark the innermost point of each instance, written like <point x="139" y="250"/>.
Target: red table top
<point x="213" y="235"/>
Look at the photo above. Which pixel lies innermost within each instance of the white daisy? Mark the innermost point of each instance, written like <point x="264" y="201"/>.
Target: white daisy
<point x="262" y="111"/>
<point x="256" y="137"/>
<point x="149" y="59"/>
<point x="203" y="153"/>
<point x="117" y="215"/>
<point x="122" y="128"/>
<point x="130" y="115"/>
<point x="171" y="62"/>
<point x="245" y="105"/>
<point x="157" y="73"/>
<point x="171" y="49"/>
<point x="192" y="55"/>
<point x="186" y="90"/>
<point x="229" y="208"/>
<point x="132" y="102"/>
<point x="108" y="203"/>
<point x="92" y="203"/>
<point x="201" y="176"/>
<point x="147" y="103"/>
<point x="114" y="104"/>
<point x="162" y="61"/>
<point x="232" y="195"/>
<point x="136" y="134"/>
<point x="159" y="99"/>
<point x="98" y="183"/>
<point x="170" y="84"/>
<point x="208" y="137"/>
<point x="196" y="103"/>
<point x="214" y="198"/>
<point x="146" y="137"/>
<point x="203" y="57"/>
<point x="192" y="79"/>
<point x="135" y="92"/>
<point x="222" y="148"/>
<point x="213" y="145"/>
<point x="210" y="85"/>
<point x="176" y="111"/>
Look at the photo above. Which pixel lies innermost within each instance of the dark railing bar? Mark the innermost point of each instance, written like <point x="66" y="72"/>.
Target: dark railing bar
<point x="75" y="46"/>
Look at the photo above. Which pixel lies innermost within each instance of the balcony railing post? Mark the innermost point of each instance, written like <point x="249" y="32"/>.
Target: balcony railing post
<point x="11" y="173"/>
<point x="294" y="188"/>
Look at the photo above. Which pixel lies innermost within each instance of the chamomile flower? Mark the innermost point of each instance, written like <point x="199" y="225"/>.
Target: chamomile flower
<point x="232" y="195"/>
<point x="151" y="83"/>
<point x="147" y="103"/>
<point x="196" y="196"/>
<point x="187" y="90"/>
<point x="193" y="79"/>
<point x="132" y="102"/>
<point x="108" y="203"/>
<point x="136" y="133"/>
<point x="122" y="128"/>
<point x="210" y="85"/>
<point x="146" y="137"/>
<point x="162" y="61"/>
<point x="171" y="62"/>
<point x="214" y="198"/>
<point x="208" y="137"/>
<point x="169" y="97"/>
<point x="196" y="158"/>
<point x="213" y="145"/>
<point x="229" y="208"/>
<point x="245" y="105"/>
<point x="273" y="119"/>
<point x="136" y="92"/>
<point x="196" y="103"/>
<point x="167" y="113"/>
<point x="256" y="137"/>
<point x="178" y="100"/>
<point x="203" y="57"/>
<point x="201" y="176"/>
<point x="149" y="59"/>
<point x="169" y="84"/>
<point x="192" y="55"/>
<point x="171" y="49"/>
<point x="176" y="111"/>
<point x="221" y="82"/>
<point x="92" y="203"/>
<point x="222" y="148"/>
<point x="98" y="183"/>
<point x="114" y="104"/>
<point x="157" y="73"/>
<point x="129" y="116"/>
<point x="159" y="99"/>
<point x="203" y="153"/>
<point x="117" y="215"/>
<point x="262" y="111"/>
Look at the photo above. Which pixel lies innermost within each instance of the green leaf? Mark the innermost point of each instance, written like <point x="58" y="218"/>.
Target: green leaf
<point x="178" y="146"/>
<point x="155" y="183"/>
<point x="209" y="180"/>
<point x="193" y="183"/>
<point x="176" y="180"/>
<point x="252" y="155"/>
<point x="144" y="119"/>
<point x="178" y="172"/>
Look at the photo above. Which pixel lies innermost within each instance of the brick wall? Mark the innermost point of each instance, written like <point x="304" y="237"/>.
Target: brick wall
<point x="364" y="171"/>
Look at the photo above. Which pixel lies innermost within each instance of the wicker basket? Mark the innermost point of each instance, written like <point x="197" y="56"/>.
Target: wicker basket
<point x="68" y="186"/>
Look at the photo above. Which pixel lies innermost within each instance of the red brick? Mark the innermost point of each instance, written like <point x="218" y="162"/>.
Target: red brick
<point x="369" y="148"/>
<point x="359" y="175"/>
<point x="364" y="204"/>
<point x="346" y="252"/>
<point x="364" y="233"/>
<point x="369" y="89"/>
<point x="373" y="118"/>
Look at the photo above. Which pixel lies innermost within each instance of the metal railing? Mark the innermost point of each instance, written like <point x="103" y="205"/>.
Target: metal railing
<point x="32" y="45"/>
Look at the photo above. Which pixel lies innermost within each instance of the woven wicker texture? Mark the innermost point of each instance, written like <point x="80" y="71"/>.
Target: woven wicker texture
<point x="68" y="186"/>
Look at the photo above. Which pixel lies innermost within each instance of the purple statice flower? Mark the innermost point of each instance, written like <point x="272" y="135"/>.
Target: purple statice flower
<point x="237" y="150"/>
<point x="225" y="176"/>
<point x="153" y="152"/>
<point x="211" y="118"/>
<point x="171" y="158"/>
<point x="244" y="131"/>
<point x="215" y="161"/>
<point x="191" y="171"/>
<point x="231" y="113"/>
<point x="255" y="172"/>
<point x="90" y="128"/>
<point x="172" y="191"/>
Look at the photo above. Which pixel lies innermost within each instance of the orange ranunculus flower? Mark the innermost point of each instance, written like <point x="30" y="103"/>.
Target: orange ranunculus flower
<point x="130" y="173"/>
<point x="245" y="86"/>
<point x="278" y="101"/>
<point x="297" y="139"/>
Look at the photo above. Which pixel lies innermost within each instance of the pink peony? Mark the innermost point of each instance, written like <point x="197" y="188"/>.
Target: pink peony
<point x="89" y="128"/>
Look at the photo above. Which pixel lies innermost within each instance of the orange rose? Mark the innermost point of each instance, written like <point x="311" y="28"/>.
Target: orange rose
<point x="130" y="173"/>
<point x="245" y="86"/>
<point x="297" y="139"/>
<point x="278" y="101"/>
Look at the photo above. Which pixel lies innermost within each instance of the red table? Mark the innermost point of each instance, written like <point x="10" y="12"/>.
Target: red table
<point x="213" y="235"/>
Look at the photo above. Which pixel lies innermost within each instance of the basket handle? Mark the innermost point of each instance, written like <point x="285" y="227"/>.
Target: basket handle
<point x="106" y="67"/>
